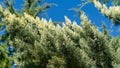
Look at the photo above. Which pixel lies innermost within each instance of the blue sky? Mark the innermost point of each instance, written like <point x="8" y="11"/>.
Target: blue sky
<point x="57" y="13"/>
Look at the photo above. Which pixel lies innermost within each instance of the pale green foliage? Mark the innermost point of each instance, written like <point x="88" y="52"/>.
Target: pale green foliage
<point x="31" y="7"/>
<point x="34" y="8"/>
<point x="115" y="51"/>
<point x="112" y="12"/>
<point x="40" y="44"/>
<point x="5" y="61"/>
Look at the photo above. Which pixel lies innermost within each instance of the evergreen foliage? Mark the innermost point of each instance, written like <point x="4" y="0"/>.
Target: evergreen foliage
<point x="112" y="12"/>
<point x="32" y="7"/>
<point x="5" y="60"/>
<point x="40" y="44"/>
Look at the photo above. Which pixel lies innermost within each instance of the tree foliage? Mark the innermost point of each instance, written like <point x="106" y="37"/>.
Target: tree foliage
<point x="39" y="43"/>
<point x="5" y="60"/>
<point x="112" y="12"/>
<point x="32" y="7"/>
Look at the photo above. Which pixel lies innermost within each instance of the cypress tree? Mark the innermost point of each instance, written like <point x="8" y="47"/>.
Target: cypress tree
<point x="41" y="44"/>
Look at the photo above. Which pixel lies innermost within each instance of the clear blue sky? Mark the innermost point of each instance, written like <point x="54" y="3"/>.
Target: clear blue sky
<point x="57" y="13"/>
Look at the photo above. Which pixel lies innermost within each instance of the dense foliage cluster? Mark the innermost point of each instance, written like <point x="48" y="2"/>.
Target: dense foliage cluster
<point x="112" y="12"/>
<point x="39" y="43"/>
<point x="5" y="60"/>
